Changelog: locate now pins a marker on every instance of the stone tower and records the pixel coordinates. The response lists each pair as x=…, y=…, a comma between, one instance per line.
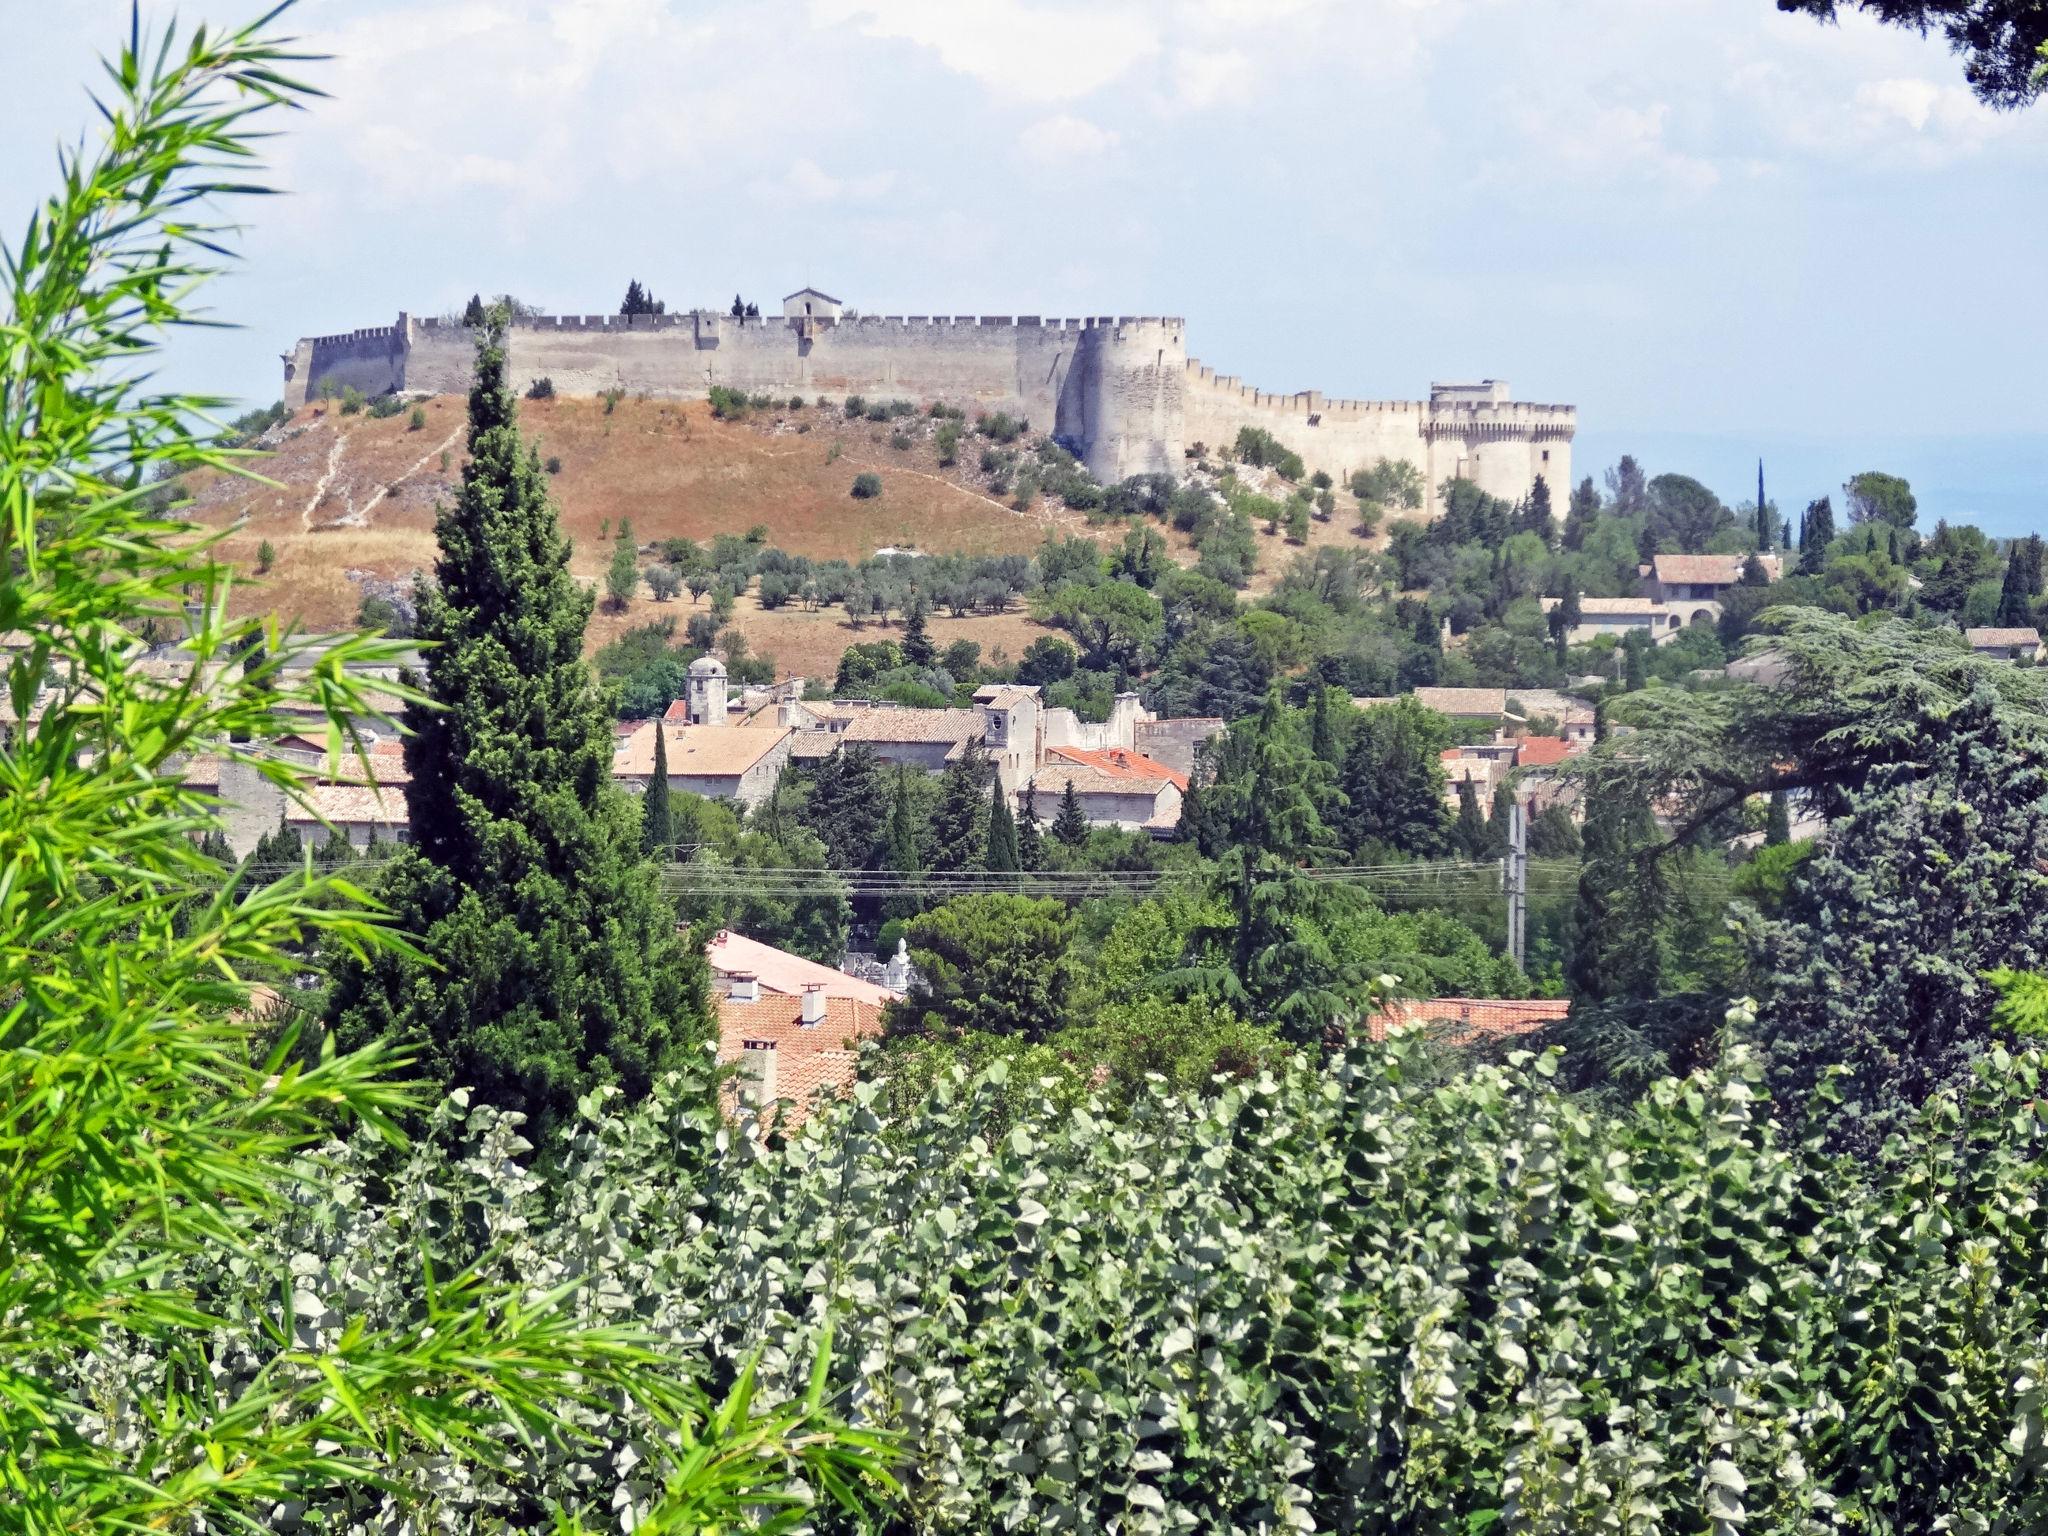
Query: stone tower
x=706, y=694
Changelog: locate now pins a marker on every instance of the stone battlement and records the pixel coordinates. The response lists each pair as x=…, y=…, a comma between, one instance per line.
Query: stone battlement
x=1120, y=390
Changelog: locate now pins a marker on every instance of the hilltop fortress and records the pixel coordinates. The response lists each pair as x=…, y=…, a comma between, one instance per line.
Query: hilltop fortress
x=1120, y=391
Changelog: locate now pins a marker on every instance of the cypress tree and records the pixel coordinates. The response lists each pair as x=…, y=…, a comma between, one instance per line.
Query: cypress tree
x=918, y=650
x=1778, y=826
x=901, y=854
x=1816, y=533
x=1322, y=732
x=2022, y=584
x=1469, y=832
x=1031, y=836
x=556, y=964
x=473, y=311
x=1070, y=826
x=1580, y=515
x=959, y=825
x=1393, y=790
x=1638, y=672
x=1004, y=855
x=657, y=832
x=1763, y=513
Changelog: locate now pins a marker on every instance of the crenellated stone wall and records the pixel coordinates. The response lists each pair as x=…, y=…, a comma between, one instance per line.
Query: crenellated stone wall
x=1121, y=390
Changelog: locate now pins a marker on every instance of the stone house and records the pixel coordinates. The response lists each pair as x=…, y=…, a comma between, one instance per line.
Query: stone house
x=1693, y=586
x=1114, y=788
x=1620, y=616
x=361, y=813
x=721, y=762
x=2005, y=644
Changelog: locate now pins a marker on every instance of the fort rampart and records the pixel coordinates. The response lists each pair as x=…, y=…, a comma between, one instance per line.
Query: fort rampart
x=1121, y=390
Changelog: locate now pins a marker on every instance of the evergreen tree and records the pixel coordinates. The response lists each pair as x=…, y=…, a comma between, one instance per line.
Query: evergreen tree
x=1031, y=836
x=1004, y=854
x=551, y=961
x=1070, y=826
x=1499, y=814
x=1763, y=513
x=640, y=301
x=1778, y=824
x=657, y=831
x=1580, y=516
x=2022, y=585
x=918, y=650
x=1565, y=618
x=622, y=575
x=276, y=851
x=959, y=825
x=1393, y=783
x=1469, y=834
x=1424, y=662
x=1554, y=835
x=901, y=853
x=1816, y=533
x=1322, y=737
x=1536, y=516
x=1629, y=487
x=1616, y=945
x=473, y=311
x=1637, y=671
x=845, y=789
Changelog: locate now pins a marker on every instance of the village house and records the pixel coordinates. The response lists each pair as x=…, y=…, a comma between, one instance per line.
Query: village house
x=791, y=1026
x=1693, y=587
x=2005, y=644
x=359, y=813
x=1466, y=1020
x=1114, y=788
x=1619, y=617
x=720, y=762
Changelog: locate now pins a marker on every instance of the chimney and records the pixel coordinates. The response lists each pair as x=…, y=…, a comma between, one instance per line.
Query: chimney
x=814, y=1005
x=896, y=974
x=743, y=987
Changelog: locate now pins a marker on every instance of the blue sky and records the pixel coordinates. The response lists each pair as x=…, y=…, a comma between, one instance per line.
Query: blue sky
x=1717, y=230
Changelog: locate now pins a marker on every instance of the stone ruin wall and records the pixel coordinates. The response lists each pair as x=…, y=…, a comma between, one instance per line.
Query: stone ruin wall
x=1120, y=388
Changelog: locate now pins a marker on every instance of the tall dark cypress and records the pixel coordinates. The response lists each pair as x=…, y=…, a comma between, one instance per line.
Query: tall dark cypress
x=1763, y=513
x=657, y=834
x=1004, y=856
x=557, y=964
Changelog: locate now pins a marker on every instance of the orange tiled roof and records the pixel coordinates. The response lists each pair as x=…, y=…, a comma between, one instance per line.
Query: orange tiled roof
x=1463, y=1020
x=1116, y=763
x=812, y=1061
x=1541, y=751
x=780, y=971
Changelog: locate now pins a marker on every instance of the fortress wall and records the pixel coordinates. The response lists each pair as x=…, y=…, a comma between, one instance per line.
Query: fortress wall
x=1503, y=448
x=1349, y=434
x=371, y=360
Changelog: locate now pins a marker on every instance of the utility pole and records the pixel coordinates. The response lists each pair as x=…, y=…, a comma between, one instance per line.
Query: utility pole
x=1516, y=877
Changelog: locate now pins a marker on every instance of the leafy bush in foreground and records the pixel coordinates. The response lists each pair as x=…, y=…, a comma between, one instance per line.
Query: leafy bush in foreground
x=1363, y=1297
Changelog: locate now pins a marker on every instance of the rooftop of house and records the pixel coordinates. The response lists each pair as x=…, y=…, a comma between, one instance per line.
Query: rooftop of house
x=347, y=805
x=1541, y=751
x=1708, y=570
x=1463, y=701
x=885, y=724
x=1998, y=639
x=1115, y=762
x=812, y=1061
x=698, y=751
x=1466, y=1020
x=780, y=971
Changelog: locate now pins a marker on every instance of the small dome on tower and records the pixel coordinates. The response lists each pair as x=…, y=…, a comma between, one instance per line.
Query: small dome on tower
x=707, y=666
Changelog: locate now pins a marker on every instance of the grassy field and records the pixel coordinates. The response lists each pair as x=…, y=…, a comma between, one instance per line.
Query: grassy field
x=352, y=500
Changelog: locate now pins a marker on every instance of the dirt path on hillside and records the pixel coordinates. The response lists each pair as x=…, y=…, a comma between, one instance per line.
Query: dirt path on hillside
x=361, y=515
x=326, y=479
x=1044, y=517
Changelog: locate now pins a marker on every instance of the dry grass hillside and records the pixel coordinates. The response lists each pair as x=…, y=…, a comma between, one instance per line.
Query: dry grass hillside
x=353, y=498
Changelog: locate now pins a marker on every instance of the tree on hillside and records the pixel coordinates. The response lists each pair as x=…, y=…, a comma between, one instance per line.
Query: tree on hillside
x=657, y=833
x=2000, y=41
x=550, y=961
x=1683, y=515
x=901, y=852
x=1030, y=835
x=1468, y=831
x=1534, y=515
x=640, y=301
x=1580, y=514
x=622, y=574
x=1565, y=618
x=1875, y=497
x=473, y=311
x=2022, y=583
x=918, y=650
x=846, y=788
x=1628, y=488
x=1816, y=533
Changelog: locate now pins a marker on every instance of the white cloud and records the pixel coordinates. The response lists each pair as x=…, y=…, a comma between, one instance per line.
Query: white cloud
x=1025, y=52
x=1209, y=78
x=1058, y=140
x=807, y=179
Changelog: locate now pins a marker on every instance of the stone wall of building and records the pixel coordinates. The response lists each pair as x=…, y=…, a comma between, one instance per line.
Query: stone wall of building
x=1120, y=390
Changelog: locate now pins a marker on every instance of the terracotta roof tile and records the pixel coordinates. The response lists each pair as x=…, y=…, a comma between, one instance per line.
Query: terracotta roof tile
x=1116, y=763
x=1464, y=1020
x=958, y=726
x=1541, y=751
x=811, y=1061
x=349, y=805
x=1707, y=570
x=780, y=971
